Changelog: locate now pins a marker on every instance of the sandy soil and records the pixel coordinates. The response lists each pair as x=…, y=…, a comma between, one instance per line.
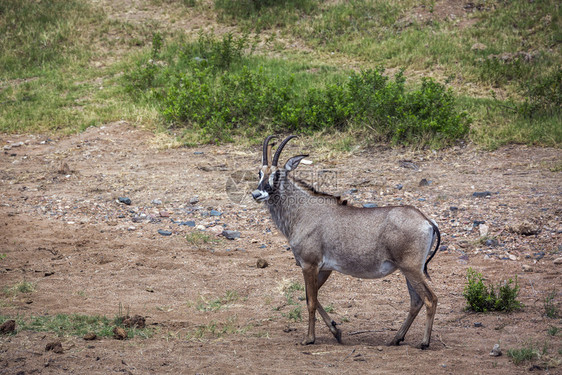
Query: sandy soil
x=64, y=230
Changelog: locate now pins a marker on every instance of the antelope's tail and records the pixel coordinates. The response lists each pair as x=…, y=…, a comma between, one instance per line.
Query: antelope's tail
x=438, y=234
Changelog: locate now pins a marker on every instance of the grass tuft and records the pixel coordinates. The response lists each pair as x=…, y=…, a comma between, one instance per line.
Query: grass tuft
x=482, y=298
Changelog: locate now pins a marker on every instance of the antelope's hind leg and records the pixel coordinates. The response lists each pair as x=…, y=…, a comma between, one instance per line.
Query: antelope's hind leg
x=310, y=274
x=420, y=294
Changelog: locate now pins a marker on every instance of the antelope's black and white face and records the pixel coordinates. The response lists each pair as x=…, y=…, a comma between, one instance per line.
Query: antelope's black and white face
x=266, y=184
x=269, y=173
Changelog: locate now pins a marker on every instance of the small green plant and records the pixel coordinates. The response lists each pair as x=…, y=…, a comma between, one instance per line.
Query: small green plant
x=230, y=297
x=19, y=288
x=553, y=331
x=198, y=238
x=550, y=308
x=482, y=298
x=527, y=353
x=290, y=293
x=295, y=314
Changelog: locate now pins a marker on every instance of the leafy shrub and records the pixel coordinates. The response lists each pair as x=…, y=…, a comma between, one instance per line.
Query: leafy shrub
x=482, y=298
x=209, y=87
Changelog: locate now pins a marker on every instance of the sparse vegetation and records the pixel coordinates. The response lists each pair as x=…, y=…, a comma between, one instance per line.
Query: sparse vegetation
x=230, y=297
x=19, y=288
x=75, y=325
x=550, y=307
x=527, y=353
x=199, y=238
x=482, y=298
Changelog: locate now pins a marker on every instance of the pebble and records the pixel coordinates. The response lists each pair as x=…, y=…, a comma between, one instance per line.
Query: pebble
x=198, y=153
x=527, y=268
x=370, y=205
x=156, y=201
x=215, y=213
x=194, y=199
x=55, y=346
x=399, y=186
x=424, y=182
x=90, y=336
x=481, y=194
x=478, y=324
x=189, y=223
x=164, y=232
x=262, y=263
x=483, y=229
x=491, y=242
x=230, y=234
x=558, y=261
x=496, y=351
x=453, y=208
x=124, y=200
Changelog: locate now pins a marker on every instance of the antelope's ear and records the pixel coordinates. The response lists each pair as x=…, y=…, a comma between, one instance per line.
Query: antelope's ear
x=293, y=162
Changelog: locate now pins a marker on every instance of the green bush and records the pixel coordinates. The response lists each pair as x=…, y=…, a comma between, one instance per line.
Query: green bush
x=543, y=95
x=482, y=298
x=214, y=88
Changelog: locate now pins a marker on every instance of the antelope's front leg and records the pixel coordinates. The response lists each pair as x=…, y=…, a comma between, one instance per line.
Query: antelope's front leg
x=310, y=274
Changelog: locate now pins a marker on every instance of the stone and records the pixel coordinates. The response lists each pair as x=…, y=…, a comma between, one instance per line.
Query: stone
x=496, y=351
x=90, y=336
x=483, y=229
x=124, y=200
x=525, y=228
x=230, y=234
x=481, y=194
x=215, y=213
x=424, y=182
x=558, y=261
x=369, y=205
x=164, y=232
x=262, y=263
x=527, y=268
x=194, y=199
x=156, y=201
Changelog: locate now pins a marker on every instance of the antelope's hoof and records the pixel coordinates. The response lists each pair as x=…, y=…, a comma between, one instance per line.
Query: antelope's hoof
x=424, y=346
x=337, y=335
x=308, y=341
x=395, y=342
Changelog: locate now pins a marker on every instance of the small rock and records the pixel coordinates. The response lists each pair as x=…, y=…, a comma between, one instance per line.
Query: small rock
x=198, y=153
x=55, y=346
x=156, y=201
x=539, y=255
x=399, y=186
x=558, y=261
x=119, y=333
x=189, y=223
x=194, y=199
x=481, y=194
x=478, y=324
x=124, y=200
x=351, y=191
x=424, y=182
x=64, y=168
x=215, y=213
x=262, y=263
x=369, y=205
x=443, y=248
x=380, y=348
x=9, y=326
x=525, y=228
x=150, y=290
x=527, y=268
x=483, y=229
x=136, y=321
x=496, y=351
x=90, y=336
x=164, y=214
x=491, y=242
x=230, y=234
x=511, y=256
x=453, y=208
x=164, y=232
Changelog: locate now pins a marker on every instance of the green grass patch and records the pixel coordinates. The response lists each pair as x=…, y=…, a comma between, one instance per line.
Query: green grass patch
x=550, y=307
x=482, y=298
x=199, y=239
x=75, y=325
x=527, y=353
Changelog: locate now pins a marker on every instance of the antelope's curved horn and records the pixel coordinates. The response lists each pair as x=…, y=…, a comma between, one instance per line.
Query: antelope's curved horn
x=266, y=150
x=280, y=148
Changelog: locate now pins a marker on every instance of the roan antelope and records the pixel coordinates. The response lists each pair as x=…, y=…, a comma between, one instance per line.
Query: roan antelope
x=326, y=234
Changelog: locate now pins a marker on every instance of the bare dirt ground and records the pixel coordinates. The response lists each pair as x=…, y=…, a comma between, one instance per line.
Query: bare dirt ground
x=64, y=230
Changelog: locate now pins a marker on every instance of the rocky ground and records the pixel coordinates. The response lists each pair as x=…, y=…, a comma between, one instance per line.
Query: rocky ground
x=109, y=220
